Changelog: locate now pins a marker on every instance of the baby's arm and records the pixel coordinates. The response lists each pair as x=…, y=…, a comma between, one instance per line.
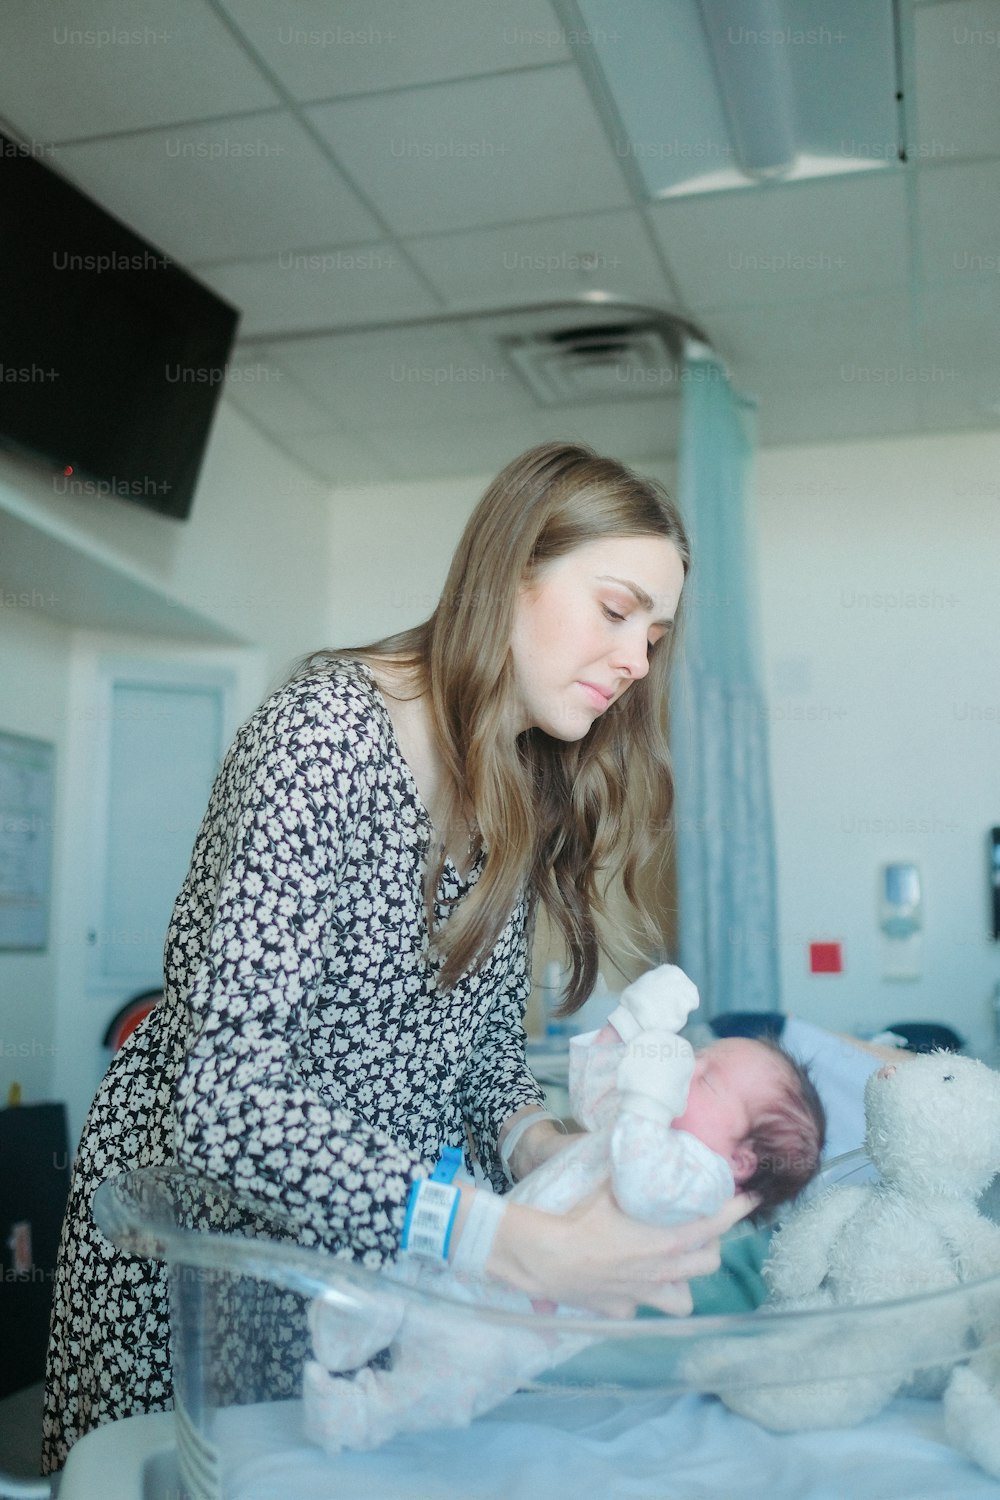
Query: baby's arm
x=659, y=1174
x=593, y=1070
x=654, y=1075
x=665, y=1176
x=658, y=1001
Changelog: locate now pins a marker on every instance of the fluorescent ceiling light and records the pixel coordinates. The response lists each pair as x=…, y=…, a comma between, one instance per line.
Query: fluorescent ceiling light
x=755, y=84
x=706, y=95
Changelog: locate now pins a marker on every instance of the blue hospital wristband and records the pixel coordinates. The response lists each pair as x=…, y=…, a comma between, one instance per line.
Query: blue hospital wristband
x=431, y=1209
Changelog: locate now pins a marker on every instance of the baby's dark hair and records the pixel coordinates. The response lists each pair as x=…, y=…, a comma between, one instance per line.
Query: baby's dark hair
x=788, y=1138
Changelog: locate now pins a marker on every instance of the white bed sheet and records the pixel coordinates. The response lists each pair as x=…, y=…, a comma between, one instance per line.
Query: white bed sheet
x=557, y=1447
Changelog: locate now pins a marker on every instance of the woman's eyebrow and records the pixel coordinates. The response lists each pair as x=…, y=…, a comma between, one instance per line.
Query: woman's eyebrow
x=640, y=594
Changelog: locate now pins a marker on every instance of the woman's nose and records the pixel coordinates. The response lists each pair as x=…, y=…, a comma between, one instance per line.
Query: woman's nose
x=633, y=657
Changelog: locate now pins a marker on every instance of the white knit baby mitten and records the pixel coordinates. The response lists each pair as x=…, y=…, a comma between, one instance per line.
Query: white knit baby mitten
x=659, y=1000
x=655, y=1074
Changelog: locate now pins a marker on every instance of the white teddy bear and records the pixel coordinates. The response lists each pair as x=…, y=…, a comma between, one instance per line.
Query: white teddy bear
x=933, y=1133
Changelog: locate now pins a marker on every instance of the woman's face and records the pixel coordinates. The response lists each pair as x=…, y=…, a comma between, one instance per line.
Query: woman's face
x=584, y=628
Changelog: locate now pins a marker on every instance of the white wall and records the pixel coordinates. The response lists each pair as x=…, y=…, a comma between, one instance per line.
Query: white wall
x=248, y=580
x=35, y=650
x=878, y=572
x=392, y=545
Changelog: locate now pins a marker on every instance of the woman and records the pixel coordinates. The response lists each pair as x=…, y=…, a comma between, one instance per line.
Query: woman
x=347, y=964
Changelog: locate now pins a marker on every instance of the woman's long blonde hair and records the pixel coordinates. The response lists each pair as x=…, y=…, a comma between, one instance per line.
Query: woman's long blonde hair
x=558, y=819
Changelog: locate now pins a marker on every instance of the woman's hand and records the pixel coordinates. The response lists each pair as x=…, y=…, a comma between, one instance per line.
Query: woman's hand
x=597, y=1258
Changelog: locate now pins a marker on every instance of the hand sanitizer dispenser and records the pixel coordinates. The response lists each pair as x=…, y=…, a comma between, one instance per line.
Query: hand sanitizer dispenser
x=901, y=920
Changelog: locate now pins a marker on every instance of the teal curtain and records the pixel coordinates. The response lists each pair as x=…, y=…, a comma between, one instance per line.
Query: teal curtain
x=723, y=820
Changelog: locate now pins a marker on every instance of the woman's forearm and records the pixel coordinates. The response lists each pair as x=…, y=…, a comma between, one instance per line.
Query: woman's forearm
x=532, y=1144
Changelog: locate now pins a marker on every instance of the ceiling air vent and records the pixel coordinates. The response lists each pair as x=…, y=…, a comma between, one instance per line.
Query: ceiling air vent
x=604, y=363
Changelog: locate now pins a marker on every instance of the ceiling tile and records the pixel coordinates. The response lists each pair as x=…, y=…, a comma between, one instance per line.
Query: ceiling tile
x=69, y=70
x=489, y=151
x=958, y=222
x=961, y=398
x=957, y=80
x=252, y=185
x=771, y=347
x=795, y=241
x=257, y=383
x=958, y=324
x=402, y=377
x=319, y=51
x=637, y=430
x=543, y=261
x=826, y=413
x=341, y=460
x=473, y=131
x=316, y=289
x=482, y=445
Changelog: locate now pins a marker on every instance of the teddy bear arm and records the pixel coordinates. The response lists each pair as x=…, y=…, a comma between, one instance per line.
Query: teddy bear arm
x=978, y=1249
x=800, y=1250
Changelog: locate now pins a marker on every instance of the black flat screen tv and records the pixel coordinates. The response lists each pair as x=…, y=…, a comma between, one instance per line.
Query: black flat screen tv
x=112, y=358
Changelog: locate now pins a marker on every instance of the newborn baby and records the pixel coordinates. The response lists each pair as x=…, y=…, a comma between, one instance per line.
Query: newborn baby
x=675, y=1132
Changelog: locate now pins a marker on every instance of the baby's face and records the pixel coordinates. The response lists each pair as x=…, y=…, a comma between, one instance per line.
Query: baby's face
x=733, y=1080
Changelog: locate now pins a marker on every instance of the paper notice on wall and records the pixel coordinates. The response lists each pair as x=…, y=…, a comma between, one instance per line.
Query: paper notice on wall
x=26, y=794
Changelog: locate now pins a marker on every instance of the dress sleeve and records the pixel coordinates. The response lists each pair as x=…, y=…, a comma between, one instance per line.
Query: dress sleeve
x=593, y=1080
x=243, y=1113
x=497, y=1080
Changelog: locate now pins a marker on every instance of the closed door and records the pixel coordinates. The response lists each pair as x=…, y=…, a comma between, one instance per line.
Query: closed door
x=165, y=741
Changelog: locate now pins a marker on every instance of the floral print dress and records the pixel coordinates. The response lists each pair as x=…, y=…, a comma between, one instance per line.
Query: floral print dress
x=302, y=1053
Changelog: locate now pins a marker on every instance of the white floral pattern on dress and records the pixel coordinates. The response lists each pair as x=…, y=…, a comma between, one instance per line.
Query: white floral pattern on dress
x=302, y=1052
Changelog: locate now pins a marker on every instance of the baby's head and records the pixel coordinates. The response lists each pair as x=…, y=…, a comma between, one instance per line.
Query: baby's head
x=757, y=1107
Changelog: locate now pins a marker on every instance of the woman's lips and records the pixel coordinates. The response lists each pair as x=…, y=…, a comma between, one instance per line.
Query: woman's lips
x=598, y=697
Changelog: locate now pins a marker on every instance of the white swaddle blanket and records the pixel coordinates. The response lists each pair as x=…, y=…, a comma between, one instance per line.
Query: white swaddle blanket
x=644, y=1447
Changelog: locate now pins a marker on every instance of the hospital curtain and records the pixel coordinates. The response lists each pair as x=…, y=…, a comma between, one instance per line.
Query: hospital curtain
x=723, y=824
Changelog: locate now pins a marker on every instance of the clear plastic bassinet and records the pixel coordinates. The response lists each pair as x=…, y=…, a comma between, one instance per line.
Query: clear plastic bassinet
x=240, y=1286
